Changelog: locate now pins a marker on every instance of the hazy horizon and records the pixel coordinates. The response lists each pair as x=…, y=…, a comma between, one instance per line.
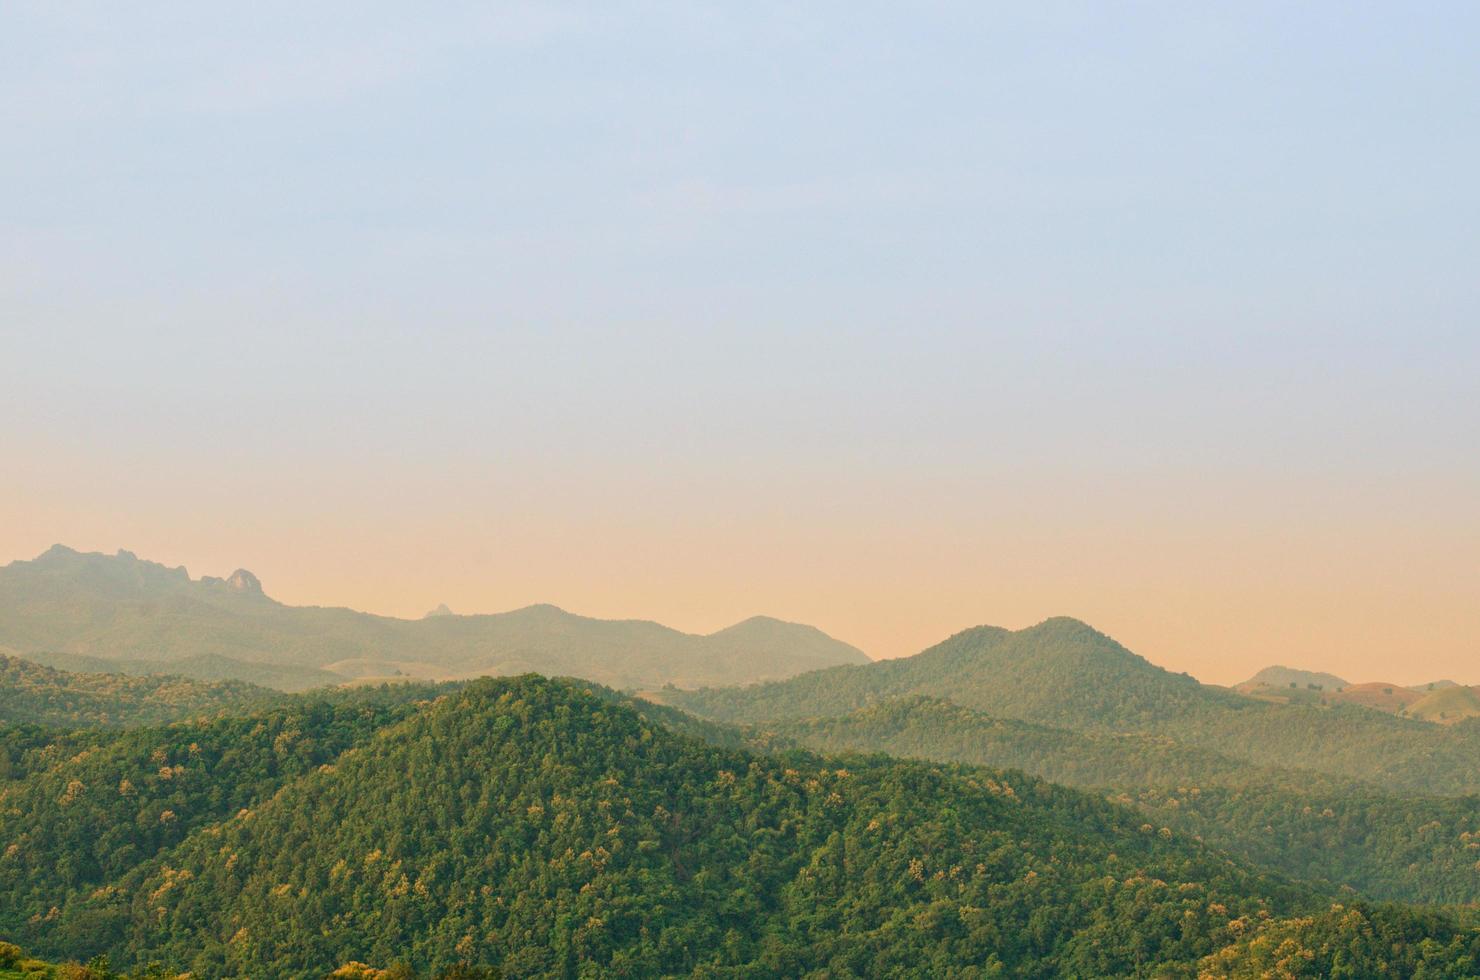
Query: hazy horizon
x=195, y=575
x=891, y=323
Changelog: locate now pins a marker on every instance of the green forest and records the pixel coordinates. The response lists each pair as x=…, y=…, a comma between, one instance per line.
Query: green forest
x=855, y=822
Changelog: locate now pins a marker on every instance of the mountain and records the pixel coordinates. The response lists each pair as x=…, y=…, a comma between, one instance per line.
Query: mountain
x=1287, y=677
x=774, y=648
x=1064, y=674
x=530, y=827
x=533, y=825
x=121, y=607
x=1446, y=705
x=1060, y=671
x=31, y=693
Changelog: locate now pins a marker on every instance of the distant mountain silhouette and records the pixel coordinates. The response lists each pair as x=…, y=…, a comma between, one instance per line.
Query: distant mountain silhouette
x=119, y=607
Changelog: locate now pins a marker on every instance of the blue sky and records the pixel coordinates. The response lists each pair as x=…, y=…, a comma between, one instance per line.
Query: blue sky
x=733, y=273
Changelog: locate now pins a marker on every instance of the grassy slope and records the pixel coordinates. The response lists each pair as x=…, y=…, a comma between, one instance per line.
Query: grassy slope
x=1447, y=706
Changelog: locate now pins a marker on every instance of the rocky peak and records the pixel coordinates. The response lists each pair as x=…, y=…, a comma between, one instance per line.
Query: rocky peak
x=242, y=580
x=57, y=552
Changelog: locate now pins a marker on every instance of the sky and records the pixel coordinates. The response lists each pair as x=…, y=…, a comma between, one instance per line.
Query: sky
x=892, y=319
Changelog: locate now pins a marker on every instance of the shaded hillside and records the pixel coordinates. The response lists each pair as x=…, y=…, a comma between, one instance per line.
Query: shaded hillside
x=1064, y=674
x=1304, y=824
x=1385, y=846
x=119, y=607
x=1397, y=754
x=31, y=693
x=921, y=727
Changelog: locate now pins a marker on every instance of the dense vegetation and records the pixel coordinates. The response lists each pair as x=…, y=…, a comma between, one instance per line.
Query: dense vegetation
x=89, y=809
x=923, y=727
x=34, y=694
x=1353, y=943
x=529, y=827
x=1064, y=674
x=15, y=964
x=1060, y=672
x=1420, y=849
x=1410, y=848
x=532, y=824
x=153, y=617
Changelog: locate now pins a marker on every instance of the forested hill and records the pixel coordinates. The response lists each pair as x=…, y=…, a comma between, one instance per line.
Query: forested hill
x=120, y=607
x=1060, y=672
x=922, y=727
x=199, y=667
x=550, y=828
x=33, y=694
x=1065, y=674
x=1403, y=847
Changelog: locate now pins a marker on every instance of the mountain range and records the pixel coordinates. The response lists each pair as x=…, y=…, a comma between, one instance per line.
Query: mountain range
x=1037, y=802
x=1065, y=674
x=138, y=617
